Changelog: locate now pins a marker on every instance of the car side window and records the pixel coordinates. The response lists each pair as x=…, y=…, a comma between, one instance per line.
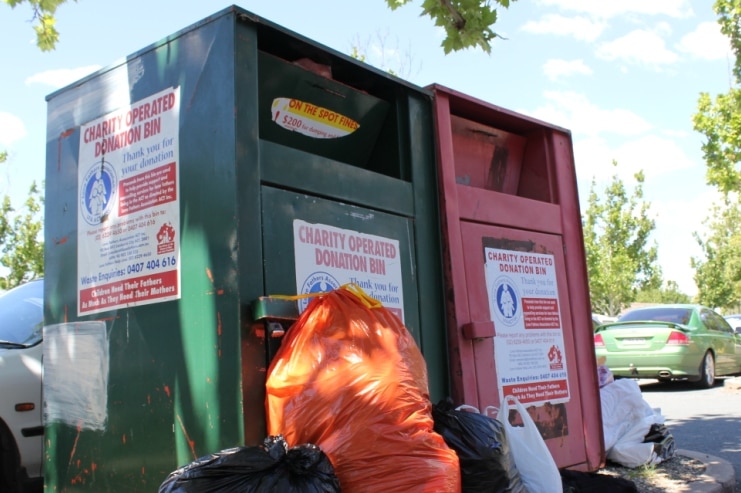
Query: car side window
x=723, y=324
x=716, y=322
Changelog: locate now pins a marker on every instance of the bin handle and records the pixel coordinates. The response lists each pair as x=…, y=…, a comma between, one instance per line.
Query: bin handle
x=479, y=330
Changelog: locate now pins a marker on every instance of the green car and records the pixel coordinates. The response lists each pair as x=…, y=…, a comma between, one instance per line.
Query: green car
x=670, y=342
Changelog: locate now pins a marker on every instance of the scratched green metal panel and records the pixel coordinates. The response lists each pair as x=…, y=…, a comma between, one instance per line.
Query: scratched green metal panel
x=250, y=279
x=418, y=144
x=173, y=390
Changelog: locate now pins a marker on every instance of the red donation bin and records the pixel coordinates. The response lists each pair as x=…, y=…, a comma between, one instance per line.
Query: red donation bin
x=518, y=307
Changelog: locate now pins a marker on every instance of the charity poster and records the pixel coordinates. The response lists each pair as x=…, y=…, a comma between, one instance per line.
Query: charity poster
x=129, y=206
x=529, y=344
x=328, y=257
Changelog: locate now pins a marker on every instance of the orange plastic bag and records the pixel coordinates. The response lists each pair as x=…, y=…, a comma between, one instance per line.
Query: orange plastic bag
x=350, y=379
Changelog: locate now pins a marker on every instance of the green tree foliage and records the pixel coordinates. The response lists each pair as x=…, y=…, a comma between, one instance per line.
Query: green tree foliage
x=44, y=21
x=22, y=254
x=719, y=120
x=467, y=23
x=620, y=261
x=667, y=293
x=4, y=218
x=22, y=251
x=718, y=272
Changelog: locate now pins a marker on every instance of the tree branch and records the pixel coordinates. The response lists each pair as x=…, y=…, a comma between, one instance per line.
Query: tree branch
x=458, y=19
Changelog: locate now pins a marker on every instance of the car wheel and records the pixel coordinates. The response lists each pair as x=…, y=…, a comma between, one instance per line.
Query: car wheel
x=707, y=371
x=9, y=467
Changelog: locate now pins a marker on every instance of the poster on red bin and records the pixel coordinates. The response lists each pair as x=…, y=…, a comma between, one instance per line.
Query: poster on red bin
x=529, y=344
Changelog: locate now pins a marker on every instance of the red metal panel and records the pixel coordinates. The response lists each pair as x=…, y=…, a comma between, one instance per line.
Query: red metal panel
x=508, y=184
x=483, y=206
x=500, y=151
x=461, y=350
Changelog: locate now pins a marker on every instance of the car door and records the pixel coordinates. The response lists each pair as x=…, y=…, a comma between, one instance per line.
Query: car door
x=735, y=335
x=723, y=342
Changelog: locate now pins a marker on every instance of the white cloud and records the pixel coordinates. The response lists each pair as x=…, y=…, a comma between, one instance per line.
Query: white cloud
x=706, y=42
x=681, y=134
x=11, y=129
x=651, y=154
x=603, y=9
x=575, y=112
x=581, y=28
x=603, y=135
x=639, y=46
x=593, y=159
x=688, y=213
x=654, y=155
x=676, y=221
x=61, y=77
x=555, y=69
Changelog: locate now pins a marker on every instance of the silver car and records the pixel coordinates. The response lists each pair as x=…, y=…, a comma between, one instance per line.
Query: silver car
x=21, y=428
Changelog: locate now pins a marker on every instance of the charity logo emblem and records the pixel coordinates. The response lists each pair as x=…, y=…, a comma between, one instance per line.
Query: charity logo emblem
x=507, y=301
x=166, y=239
x=556, y=358
x=98, y=192
x=318, y=282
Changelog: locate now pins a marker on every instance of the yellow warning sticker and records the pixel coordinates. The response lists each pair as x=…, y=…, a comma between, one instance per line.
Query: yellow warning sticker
x=311, y=120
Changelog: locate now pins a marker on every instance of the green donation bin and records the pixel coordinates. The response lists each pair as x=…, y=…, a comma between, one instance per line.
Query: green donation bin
x=228, y=162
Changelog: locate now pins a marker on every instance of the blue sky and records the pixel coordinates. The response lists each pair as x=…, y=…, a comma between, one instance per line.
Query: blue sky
x=623, y=77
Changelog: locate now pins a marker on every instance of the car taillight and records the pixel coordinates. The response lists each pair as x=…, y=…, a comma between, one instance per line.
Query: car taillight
x=598, y=342
x=678, y=339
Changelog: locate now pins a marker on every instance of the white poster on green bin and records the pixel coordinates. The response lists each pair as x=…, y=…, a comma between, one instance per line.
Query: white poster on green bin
x=328, y=257
x=129, y=206
x=529, y=346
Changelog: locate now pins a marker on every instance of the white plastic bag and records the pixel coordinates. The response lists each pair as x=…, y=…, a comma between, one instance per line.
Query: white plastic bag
x=532, y=458
x=626, y=419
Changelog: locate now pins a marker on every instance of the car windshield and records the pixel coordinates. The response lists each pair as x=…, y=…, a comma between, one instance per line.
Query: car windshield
x=22, y=314
x=659, y=314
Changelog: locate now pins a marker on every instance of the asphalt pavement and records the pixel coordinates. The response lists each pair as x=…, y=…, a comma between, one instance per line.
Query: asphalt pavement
x=706, y=425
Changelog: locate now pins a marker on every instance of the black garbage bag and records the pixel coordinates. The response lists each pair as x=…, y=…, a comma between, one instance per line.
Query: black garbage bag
x=663, y=441
x=272, y=467
x=589, y=482
x=483, y=451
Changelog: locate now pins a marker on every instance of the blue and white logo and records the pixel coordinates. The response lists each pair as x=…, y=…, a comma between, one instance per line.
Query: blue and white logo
x=318, y=282
x=507, y=300
x=98, y=191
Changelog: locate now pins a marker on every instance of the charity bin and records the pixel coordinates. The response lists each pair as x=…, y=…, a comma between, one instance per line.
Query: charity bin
x=515, y=272
x=228, y=162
